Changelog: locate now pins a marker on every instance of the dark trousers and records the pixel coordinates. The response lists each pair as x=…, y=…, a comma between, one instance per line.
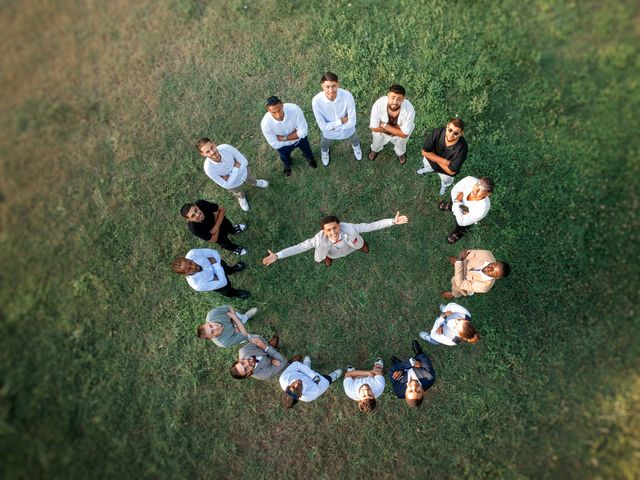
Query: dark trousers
x=328, y=378
x=285, y=152
x=460, y=231
x=226, y=229
x=227, y=290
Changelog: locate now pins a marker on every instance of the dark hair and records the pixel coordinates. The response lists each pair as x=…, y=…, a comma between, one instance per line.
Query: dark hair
x=235, y=374
x=202, y=142
x=488, y=184
x=328, y=219
x=457, y=122
x=399, y=89
x=201, y=331
x=272, y=100
x=328, y=77
x=176, y=264
x=504, y=268
x=469, y=333
x=184, y=210
x=287, y=400
x=414, y=403
x=367, y=405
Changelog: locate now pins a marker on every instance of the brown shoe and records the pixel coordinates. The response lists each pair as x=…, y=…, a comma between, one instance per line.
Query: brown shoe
x=447, y=295
x=452, y=260
x=296, y=358
x=365, y=248
x=327, y=261
x=372, y=155
x=402, y=159
x=274, y=341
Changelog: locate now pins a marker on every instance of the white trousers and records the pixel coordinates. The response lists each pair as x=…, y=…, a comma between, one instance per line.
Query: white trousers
x=381, y=139
x=445, y=180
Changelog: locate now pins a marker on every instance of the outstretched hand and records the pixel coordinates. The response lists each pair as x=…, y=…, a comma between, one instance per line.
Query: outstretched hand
x=269, y=259
x=400, y=219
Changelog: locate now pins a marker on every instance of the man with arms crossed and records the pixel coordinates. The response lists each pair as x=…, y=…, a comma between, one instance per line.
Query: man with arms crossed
x=299, y=382
x=392, y=120
x=411, y=378
x=475, y=272
x=258, y=359
x=206, y=220
x=364, y=386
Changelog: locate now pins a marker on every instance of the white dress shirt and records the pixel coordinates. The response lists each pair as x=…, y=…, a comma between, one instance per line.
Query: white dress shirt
x=449, y=326
x=478, y=209
x=406, y=117
x=310, y=389
x=293, y=120
x=352, y=386
x=211, y=277
x=328, y=114
x=216, y=170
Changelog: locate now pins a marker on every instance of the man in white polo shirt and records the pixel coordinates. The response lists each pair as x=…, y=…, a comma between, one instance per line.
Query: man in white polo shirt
x=226, y=166
x=299, y=382
x=364, y=386
x=335, y=112
x=392, y=120
x=470, y=203
x=285, y=129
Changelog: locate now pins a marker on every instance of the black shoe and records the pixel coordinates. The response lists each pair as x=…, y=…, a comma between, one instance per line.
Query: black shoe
x=243, y=294
x=238, y=267
x=417, y=349
x=287, y=172
x=312, y=163
x=395, y=360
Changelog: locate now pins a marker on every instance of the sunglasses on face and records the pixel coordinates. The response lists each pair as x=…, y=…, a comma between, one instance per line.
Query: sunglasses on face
x=453, y=132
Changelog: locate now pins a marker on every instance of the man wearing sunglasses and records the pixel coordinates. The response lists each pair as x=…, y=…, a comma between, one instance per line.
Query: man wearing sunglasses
x=444, y=151
x=285, y=129
x=301, y=383
x=259, y=359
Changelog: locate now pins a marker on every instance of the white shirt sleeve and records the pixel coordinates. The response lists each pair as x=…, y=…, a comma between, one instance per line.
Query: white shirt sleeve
x=408, y=123
x=373, y=226
x=269, y=134
x=439, y=337
x=237, y=171
x=302, y=128
x=351, y=112
x=301, y=247
x=376, y=117
x=323, y=125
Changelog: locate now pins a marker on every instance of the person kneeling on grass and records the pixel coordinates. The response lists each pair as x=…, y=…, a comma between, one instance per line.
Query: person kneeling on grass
x=225, y=327
x=299, y=382
x=364, y=386
x=452, y=327
x=335, y=240
x=259, y=359
x=206, y=220
x=411, y=378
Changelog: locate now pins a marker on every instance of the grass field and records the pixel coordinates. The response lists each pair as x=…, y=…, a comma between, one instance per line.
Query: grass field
x=101, y=373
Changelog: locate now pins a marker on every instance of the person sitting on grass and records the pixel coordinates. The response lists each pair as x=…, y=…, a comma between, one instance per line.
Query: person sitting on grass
x=364, y=386
x=475, y=272
x=206, y=271
x=469, y=203
x=452, y=327
x=411, y=378
x=206, y=220
x=259, y=359
x=335, y=239
x=225, y=327
x=299, y=382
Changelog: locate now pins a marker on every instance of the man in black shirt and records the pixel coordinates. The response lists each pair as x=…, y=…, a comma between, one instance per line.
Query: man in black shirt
x=207, y=221
x=444, y=151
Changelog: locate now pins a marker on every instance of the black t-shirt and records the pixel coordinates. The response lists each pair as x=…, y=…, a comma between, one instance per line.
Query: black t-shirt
x=202, y=229
x=456, y=153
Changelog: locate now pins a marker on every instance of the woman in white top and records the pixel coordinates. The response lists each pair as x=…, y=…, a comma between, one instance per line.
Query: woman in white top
x=452, y=327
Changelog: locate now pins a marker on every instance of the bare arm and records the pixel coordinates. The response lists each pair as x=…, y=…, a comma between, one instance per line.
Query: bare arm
x=360, y=373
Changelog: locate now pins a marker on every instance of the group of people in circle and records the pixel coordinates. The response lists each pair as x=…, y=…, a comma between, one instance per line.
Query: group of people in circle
x=284, y=127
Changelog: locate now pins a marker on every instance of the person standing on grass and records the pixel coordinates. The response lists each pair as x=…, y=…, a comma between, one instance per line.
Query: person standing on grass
x=226, y=166
x=475, y=272
x=259, y=359
x=444, y=151
x=335, y=112
x=301, y=383
x=206, y=271
x=411, y=378
x=452, y=327
x=392, y=120
x=225, y=327
x=206, y=220
x=469, y=204
x=364, y=386
x=285, y=129
x=335, y=239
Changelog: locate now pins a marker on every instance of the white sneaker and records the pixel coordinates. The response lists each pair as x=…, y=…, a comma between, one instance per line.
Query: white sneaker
x=443, y=189
x=350, y=368
x=244, y=205
x=240, y=227
x=442, y=305
x=262, y=183
x=240, y=251
x=325, y=158
x=307, y=361
x=379, y=362
x=336, y=374
x=251, y=312
x=423, y=170
x=425, y=336
x=357, y=152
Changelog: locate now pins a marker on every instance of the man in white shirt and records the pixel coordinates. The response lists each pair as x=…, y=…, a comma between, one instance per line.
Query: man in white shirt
x=206, y=271
x=226, y=166
x=335, y=112
x=392, y=120
x=285, y=129
x=364, y=386
x=335, y=239
x=469, y=203
x=300, y=382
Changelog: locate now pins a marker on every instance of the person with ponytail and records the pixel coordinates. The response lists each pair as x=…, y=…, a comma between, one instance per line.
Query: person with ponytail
x=452, y=327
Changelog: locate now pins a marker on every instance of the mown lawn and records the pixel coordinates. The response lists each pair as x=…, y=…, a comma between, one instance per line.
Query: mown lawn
x=101, y=373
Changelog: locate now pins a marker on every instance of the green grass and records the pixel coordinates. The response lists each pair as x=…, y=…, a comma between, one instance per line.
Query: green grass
x=101, y=373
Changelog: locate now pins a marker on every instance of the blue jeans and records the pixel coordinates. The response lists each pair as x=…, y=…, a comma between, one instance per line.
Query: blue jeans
x=285, y=152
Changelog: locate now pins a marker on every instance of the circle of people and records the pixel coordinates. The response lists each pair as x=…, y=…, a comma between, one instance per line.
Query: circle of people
x=285, y=129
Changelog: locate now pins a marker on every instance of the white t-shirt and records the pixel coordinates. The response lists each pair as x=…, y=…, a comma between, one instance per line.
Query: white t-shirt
x=352, y=386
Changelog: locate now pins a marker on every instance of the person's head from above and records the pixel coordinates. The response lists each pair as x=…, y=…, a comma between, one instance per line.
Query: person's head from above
x=291, y=395
x=466, y=330
x=454, y=130
x=243, y=368
x=367, y=400
x=208, y=149
x=483, y=188
x=497, y=270
x=209, y=330
x=395, y=97
x=184, y=266
x=275, y=107
x=330, y=85
x=330, y=226
x=414, y=395
x=191, y=212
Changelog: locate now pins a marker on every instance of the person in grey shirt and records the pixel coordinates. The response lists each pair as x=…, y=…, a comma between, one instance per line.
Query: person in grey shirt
x=225, y=327
x=259, y=359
